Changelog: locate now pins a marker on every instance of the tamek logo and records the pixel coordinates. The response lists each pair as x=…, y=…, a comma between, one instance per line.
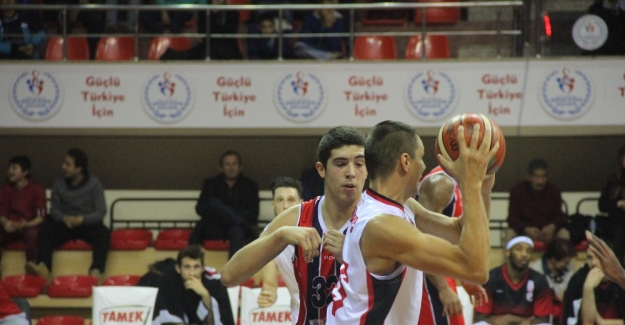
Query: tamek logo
x=167, y=97
x=271, y=315
x=36, y=95
x=566, y=94
x=126, y=315
x=432, y=95
x=300, y=97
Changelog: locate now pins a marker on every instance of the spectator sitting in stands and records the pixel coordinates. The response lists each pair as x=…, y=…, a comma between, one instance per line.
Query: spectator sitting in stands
x=516, y=293
x=322, y=48
x=153, y=20
x=76, y=212
x=556, y=265
x=613, y=14
x=22, y=207
x=228, y=205
x=192, y=293
x=20, y=34
x=612, y=202
x=591, y=298
x=535, y=208
x=131, y=17
x=266, y=48
x=91, y=20
x=286, y=192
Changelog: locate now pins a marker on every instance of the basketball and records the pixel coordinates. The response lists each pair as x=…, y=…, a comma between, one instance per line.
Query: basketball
x=447, y=139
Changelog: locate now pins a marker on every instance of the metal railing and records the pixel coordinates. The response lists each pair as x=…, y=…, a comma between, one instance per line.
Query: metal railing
x=281, y=8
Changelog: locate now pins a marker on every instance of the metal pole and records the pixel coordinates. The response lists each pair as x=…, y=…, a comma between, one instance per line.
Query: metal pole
x=423, y=33
x=280, y=27
x=498, y=26
x=351, y=34
x=136, y=27
x=64, y=17
x=208, y=38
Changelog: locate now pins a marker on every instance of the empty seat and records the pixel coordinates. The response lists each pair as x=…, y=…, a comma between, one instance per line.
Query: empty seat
x=75, y=245
x=77, y=49
x=23, y=286
x=115, y=49
x=438, y=16
x=61, y=320
x=16, y=246
x=216, y=245
x=436, y=47
x=581, y=246
x=375, y=48
x=160, y=44
x=172, y=239
x=72, y=286
x=130, y=239
x=121, y=280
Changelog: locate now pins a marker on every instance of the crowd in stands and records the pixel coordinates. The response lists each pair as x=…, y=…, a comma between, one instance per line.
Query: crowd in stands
x=521, y=291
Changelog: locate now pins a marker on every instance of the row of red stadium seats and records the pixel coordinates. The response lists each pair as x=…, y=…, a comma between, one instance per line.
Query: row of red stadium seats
x=65, y=286
x=123, y=48
x=139, y=239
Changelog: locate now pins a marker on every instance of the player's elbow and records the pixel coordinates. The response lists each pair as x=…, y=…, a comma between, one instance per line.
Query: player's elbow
x=227, y=278
x=479, y=276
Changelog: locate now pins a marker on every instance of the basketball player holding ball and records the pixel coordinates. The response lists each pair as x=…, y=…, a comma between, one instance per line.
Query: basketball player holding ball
x=384, y=252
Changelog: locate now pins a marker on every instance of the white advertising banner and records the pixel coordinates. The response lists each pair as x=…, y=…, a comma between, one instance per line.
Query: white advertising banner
x=311, y=94
x=123, y=305
x=278, y=314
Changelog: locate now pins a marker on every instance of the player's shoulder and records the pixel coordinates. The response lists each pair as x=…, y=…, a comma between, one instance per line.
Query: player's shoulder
x=288, y=217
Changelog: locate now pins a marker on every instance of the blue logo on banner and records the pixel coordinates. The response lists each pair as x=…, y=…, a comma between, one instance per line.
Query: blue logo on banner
x=566, y=94
x=431, y=96
x=300, y=97
x=36, y=96
x=167, y=97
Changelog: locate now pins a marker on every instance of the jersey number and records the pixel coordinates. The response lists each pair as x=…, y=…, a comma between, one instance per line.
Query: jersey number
x=320, y=286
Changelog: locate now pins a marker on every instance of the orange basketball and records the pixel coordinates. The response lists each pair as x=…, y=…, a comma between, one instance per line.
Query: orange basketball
x=447, y=139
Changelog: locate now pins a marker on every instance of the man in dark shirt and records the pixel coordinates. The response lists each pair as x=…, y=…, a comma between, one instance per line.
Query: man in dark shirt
x=77, y=209
x=516, y=293
x=192, y=293
x=535, y=208
x=591, y=297
x=228, y=205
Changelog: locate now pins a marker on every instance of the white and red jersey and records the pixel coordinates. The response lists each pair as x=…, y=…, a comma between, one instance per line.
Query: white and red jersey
x=366, y=298
x=317, y=278
x=454, y=206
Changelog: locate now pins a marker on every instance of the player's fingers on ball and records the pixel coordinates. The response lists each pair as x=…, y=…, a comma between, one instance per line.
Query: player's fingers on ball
x=475, y=136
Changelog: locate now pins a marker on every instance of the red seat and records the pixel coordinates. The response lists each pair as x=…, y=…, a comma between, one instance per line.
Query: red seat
x=581, y=247
x=75, y=245
x=121, y=280
x=16, y=246
x=436, y=47
x=438, y=16
x=130, y=239
x=72, y=286
x=172, y=239
x=539, y=246
x=216, y=245
x=23, y=286
x=375, y=48
x=160, y=44
x=61, y=320
x=115, y=49
x=248, y=283
x=77, y=49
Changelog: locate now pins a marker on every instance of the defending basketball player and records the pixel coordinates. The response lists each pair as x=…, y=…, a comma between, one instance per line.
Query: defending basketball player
x=341, y=162
x=382, y=240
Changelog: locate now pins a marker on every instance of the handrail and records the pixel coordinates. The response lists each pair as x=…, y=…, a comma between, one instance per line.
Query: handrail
x=280, y=8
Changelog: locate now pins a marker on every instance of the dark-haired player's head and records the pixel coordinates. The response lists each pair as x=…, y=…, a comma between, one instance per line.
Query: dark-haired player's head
x=19, y=169
x=336, y=138
x=558, y=254
x=190, y=262
x=388, y=143
x=537, y=174
x=286, y=192
x=75, y=164
x=231, y=163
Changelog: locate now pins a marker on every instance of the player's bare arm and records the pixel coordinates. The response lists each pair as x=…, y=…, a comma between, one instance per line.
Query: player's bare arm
x=269, y=292
x=281, y=232
x=387, y=240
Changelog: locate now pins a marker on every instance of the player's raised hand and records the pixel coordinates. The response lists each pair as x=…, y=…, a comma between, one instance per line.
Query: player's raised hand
x=333, y=242
x=451, y=303
x=306, y=238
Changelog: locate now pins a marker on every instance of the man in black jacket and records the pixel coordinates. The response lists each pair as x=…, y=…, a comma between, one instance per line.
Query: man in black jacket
x=192, y=293
x=228, y=205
